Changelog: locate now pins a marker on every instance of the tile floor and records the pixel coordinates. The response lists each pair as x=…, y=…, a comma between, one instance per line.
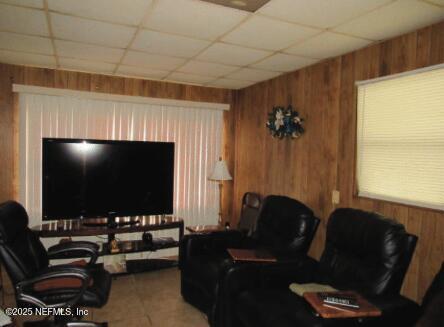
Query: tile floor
x=150, y=299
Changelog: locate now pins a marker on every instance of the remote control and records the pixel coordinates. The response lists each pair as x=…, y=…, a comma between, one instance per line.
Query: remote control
x=341, y=302
x=323, y=295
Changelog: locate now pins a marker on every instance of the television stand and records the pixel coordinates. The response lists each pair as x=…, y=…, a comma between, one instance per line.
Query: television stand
x=99, y=226
x=110, y=223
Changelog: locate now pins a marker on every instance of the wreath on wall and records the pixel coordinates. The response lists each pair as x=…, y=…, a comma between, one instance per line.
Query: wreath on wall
x=285, y=122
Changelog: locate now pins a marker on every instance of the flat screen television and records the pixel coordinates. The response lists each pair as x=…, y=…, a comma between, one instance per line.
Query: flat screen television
x=95, y=178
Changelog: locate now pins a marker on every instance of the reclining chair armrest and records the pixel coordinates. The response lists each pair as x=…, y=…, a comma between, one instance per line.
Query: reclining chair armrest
x=59, y=271
x=239, y=278
x=76, y=248
x=397, y=310
x=214, y=242
x=249, y=276
x=301, y=269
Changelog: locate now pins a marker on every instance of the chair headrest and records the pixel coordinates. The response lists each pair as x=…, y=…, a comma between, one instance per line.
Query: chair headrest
x=252, y=200
x=284, y=206
x=285, y=225
x=13, y=220
x=364, y=233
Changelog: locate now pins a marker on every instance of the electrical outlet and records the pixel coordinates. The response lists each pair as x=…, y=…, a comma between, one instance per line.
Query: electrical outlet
x=335, y=196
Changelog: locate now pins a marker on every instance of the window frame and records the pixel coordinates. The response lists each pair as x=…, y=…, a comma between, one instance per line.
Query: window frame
x=355, y=186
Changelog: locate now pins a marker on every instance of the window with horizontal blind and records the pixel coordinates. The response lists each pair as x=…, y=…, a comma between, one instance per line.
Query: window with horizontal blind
x=400, y=138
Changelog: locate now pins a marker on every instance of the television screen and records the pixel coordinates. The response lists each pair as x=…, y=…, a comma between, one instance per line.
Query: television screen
x=93, y=178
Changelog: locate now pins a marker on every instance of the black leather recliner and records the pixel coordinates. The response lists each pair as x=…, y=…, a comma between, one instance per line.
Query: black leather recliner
x=251, y=203
x=431, y=311
x=36, y=283
x=284, y=226
x=432, y=307
x=364, y=252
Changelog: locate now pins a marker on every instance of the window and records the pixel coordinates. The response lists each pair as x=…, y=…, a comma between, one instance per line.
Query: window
x=400, y=138
x=195, y=129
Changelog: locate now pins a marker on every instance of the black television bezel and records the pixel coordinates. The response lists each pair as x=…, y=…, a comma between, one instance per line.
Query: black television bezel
x=46, y=217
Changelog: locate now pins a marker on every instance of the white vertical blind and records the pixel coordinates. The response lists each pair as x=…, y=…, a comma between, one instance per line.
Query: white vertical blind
x=400, y=138
x=195, y=131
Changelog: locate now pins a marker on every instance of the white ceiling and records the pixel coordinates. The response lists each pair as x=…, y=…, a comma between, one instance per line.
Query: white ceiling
x=196, y=42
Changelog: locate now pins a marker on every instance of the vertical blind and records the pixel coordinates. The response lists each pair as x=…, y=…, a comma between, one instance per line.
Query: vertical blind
x=400, y=139
x=195, y=131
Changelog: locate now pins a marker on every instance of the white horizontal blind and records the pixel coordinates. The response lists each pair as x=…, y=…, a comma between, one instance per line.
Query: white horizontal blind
x=400, y=135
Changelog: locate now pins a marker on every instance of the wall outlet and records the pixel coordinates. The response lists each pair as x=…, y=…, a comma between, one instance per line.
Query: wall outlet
x=335, y=197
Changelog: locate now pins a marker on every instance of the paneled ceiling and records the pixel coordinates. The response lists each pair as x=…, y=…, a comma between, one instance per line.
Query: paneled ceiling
x=199, y=42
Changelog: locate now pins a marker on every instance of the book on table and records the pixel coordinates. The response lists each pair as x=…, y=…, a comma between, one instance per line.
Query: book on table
x=300, y=289
x=327, y=294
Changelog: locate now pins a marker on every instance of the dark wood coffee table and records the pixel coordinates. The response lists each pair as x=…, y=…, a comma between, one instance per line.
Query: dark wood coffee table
x=366, y=309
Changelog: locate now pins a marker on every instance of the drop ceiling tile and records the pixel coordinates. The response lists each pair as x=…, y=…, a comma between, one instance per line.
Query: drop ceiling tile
x=319, y=13
x=206, y=68
x=392, y=20
x=284, y=63
x=118, y=11
x=88, y=52
x=254, y=75
x=274, y=34
x=232, y=54
x=134, y=58
x=435, y=2
x=189, y=78
x=327, y=45
x=230, y=83
x=90, y=31
x=23, y=20
x=193, y=18
x=20, y=42
x=27, y=59
x=87, y=66
x=173, y=45
x=246, y=5
x=141, y=72
x=26, y=3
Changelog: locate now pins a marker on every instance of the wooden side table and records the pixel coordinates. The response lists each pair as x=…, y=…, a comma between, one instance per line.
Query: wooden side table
x=366, y=309
x=254, y=255
x=204, y=229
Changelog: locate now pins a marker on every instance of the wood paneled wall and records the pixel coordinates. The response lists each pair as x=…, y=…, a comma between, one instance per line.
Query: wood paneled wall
x=10, y=74
x=309, y=168
x=323, y=159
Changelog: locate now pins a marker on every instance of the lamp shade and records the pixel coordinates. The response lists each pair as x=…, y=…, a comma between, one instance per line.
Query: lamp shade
x=220, y=172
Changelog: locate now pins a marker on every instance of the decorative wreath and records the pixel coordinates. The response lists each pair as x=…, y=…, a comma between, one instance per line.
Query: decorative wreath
x=285, y=123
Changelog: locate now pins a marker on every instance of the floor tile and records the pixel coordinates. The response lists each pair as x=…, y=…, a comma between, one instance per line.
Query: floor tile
x=131, y=322
x=150, y=299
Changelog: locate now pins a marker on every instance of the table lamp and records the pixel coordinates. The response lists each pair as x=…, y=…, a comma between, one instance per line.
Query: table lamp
x=220, y=173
